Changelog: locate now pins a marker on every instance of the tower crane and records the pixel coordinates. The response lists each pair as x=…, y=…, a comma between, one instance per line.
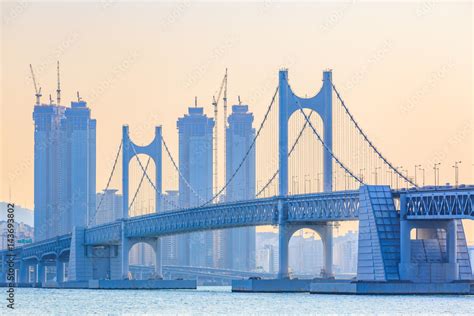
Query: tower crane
x=58, y=91
x=223, y=87
x=37, y=92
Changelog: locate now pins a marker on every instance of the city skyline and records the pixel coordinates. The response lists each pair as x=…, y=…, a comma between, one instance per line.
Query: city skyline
x=251, y=157
x=440, y=68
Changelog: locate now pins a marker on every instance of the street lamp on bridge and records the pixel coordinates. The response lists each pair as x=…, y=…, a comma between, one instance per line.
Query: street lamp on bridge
x=456, y=172
x=436, y=173
x=362, y=174
x=375, y=174
x=391, y=177
x=423, y=172
x=416, y=167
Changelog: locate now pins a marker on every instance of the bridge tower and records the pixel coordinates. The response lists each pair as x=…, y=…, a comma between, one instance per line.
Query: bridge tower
x=289, y=103
x=129, y=151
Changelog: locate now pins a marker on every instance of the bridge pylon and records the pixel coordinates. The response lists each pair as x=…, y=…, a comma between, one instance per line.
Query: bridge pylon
x=129, y=151
x=289, y=103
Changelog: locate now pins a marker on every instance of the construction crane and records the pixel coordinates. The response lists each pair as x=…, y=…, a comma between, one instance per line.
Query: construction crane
x=225, y=122
x=37, y=91
x=216, y=127
x=216, y=130
x=58, y=91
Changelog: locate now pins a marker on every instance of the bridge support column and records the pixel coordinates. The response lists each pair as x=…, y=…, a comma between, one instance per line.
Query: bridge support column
x=405, y=250
x=124, y=249
x=40, y=275
x=158, y=261
x=23, y=272
x=59, y=271
x=452, y=250
x=283, y=252
x=328, y=250
x=80, y=263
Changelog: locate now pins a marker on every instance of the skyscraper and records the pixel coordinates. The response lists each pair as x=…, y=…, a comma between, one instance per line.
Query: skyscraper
x=64, y=168
x=195, y=163
x=240, y=242
x=169, y=244
x=110, y=209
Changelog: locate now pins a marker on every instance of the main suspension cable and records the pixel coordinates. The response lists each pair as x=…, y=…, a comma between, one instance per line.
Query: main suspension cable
x=326, y=147
x=248, y=151
x=289, y=154
x=140, y=183
x=149, y=180
x=368, y=141
x=108, y=181
x=179, y=171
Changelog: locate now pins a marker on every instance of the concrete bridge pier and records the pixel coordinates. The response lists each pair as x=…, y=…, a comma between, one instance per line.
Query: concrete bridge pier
x=23, y=272
x=124, y=250
x=40, y=274
x=433, y=255
x=283, y=241
x=158, y=257
x=324, y=230
x=80, y=265
x=59, y=271
x=328, y=250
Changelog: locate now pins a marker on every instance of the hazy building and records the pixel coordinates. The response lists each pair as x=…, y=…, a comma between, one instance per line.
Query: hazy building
x=169, y=244
x=267, y=242
x=23, y=234
x=345, y=253
x=64, y=168
x=109, y=207
x=195, y=163
x=239, y=245
x=265, y=258
x=306, y=253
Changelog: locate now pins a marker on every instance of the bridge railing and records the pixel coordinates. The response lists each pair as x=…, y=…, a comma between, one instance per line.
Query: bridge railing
x=222, y=215
x=440, y=203
x=109, y=233
x=339, y=206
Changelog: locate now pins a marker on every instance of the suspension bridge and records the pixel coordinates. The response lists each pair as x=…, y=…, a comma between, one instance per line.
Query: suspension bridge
x=315, y=142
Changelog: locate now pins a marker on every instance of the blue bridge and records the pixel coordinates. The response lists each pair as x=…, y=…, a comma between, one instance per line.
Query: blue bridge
x=386, y=213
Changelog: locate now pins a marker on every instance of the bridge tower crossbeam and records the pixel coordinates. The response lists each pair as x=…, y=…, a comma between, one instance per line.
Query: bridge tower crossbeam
x=129, y=151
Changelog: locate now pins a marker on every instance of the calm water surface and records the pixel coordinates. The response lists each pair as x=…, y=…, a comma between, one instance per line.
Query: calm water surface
x=220, y=300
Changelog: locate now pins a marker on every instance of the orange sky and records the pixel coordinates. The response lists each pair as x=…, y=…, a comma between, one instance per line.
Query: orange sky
x=405, y=70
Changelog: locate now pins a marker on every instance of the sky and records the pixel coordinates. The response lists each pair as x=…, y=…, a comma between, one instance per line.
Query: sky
x=404, y=68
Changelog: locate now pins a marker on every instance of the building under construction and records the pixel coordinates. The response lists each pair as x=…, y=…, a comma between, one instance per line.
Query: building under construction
x=64, y=165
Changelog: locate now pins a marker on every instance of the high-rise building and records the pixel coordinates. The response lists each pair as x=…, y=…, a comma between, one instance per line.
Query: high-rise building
x=306, y=253
x=239, y=251
x=345, y=253
x=195, y=163
x=265, y=258
x=110, y=208
x=65, y=168
x=169, y=244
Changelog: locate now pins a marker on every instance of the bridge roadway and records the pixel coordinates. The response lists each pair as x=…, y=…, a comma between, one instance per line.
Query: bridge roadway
x=335, y=206
x=440, y=203
x=425, y=204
